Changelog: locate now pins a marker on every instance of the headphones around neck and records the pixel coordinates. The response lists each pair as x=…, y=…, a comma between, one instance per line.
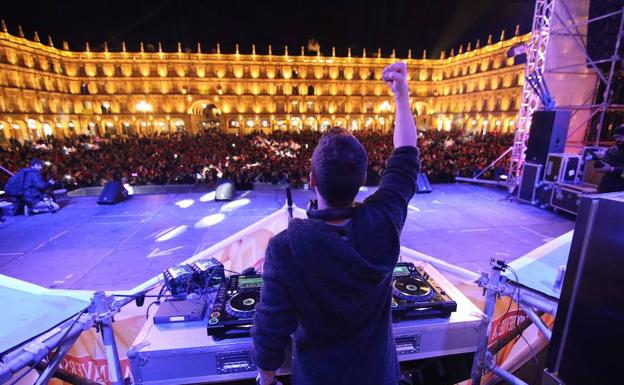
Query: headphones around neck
x=328, y=214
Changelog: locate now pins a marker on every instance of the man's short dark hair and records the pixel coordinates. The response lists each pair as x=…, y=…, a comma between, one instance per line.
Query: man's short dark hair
x=36, y=162
x=339, y=166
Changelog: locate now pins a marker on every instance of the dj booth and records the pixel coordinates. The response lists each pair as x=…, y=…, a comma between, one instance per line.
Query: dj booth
x=183, y=352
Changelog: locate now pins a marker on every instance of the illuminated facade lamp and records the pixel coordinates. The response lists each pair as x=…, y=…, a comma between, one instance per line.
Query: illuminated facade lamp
x=144, y=106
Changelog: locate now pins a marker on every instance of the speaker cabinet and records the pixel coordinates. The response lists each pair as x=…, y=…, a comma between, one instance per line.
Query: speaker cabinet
x=422, y=184
x=549, y=131
x=531, y=177
x=587, y=332
x=225, y=192
x=113, y=192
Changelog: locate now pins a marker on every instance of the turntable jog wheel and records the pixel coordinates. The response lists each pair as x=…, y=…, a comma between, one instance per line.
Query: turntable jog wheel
x=243, y=304
x=412, y=289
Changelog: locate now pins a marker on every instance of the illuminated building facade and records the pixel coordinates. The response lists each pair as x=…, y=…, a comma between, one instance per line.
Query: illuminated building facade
x=48, y=90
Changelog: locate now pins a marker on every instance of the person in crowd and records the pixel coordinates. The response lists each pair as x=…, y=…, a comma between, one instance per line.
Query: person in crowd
x=612, y=164
x=327, y=279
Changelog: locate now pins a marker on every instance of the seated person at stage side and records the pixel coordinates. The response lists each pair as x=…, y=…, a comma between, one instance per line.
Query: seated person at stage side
x=33, y=190
x=613, y=164
x=327, y=279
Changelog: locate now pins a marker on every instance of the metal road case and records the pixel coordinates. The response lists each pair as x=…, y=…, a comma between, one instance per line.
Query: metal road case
x=165, y=354
x=563, y=168
x=567, y=196
x=531, y=177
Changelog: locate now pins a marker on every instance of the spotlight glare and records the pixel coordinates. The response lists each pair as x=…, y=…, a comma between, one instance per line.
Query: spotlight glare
x=208, y=197
x=185, y=203
x=229, y=207
x=129, y=189
x=209, y=220
x=172, y=234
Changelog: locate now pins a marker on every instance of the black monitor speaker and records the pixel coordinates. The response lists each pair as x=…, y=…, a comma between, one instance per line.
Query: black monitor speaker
x=113, y=192
x=587, y=332
x=549, y=131
x=225, y=192
x=422, y=184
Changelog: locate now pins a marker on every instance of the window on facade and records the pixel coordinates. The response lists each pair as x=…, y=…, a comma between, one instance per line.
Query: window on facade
x=310, y=90
x=106, y=108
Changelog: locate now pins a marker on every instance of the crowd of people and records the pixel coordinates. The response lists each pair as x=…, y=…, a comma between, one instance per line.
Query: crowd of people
x=211, y=156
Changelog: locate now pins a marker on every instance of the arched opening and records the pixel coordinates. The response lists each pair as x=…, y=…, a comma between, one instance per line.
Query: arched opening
x=127, y=128
x=179, y=125
x=281, y=124
x=4, y=135
x=211, y=117
x=161, y=126
x=325, y=125
x=109, y=128
x=33, y=129
x=72, y=127
x=47, y=129
x=295, y=124
x=311, y=124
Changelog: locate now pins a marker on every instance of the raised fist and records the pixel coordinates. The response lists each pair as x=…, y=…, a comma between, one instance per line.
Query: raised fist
x=395, y=76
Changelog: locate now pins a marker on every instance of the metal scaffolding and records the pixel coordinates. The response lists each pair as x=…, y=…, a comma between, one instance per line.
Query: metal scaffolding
x=536, y=63
x=561, y=22
x=572, y=28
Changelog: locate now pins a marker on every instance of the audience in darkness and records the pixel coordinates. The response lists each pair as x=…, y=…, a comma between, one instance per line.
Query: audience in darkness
x=278, y=158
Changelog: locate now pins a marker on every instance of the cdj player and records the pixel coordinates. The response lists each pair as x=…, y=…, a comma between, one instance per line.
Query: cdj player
x=416, y=295
x=234, y=306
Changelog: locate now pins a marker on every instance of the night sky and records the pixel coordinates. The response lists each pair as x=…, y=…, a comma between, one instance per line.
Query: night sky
x=401, y=24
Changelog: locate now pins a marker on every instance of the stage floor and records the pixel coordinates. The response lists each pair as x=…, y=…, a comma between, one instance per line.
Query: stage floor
x=87, y=246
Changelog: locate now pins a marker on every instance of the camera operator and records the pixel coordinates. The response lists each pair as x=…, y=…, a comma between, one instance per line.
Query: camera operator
x=611, y=163
x=29, y=187
x=327, y=279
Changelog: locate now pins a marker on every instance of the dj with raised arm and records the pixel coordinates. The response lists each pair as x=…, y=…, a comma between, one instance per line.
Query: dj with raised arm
x=327, y=279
